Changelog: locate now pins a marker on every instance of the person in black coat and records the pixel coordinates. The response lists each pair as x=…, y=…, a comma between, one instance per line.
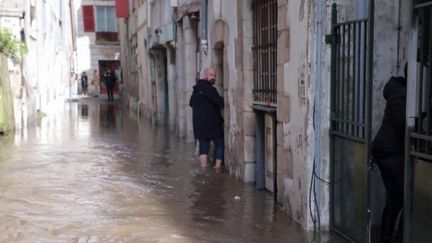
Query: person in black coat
x=388, y=152
x=110, y=81
x=84, y=83
x=206, y=106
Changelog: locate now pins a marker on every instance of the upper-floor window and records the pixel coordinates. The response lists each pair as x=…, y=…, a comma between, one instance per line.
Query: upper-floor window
x=264, y=51
x=102, y=20
x=105, y=19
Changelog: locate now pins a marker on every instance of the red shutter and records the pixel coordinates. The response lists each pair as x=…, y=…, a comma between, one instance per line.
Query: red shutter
x=88, y=18
x=122, y=8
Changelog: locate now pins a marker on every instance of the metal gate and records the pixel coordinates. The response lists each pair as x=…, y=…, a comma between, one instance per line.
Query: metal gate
x=418, y=191
x=350, y=133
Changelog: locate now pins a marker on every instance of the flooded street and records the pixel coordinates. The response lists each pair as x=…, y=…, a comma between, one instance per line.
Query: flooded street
x=90, y=172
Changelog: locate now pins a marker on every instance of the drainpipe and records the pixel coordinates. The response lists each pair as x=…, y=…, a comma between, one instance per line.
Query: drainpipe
x=399, y=28
x=275, y=187
x=203, y=19
x=317, y=109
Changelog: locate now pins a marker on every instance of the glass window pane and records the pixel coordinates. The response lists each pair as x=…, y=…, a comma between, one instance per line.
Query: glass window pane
x=111, y=20
x=100, y=19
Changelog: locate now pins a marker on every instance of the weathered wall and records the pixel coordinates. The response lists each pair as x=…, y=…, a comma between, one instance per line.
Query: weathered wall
x=190, y=67
x=390, y=50
x=182, y=101
x=294, y=127
x=230, y=24
x=7, y=121
x=124, y=46
x=143, y=71
x=43, y=75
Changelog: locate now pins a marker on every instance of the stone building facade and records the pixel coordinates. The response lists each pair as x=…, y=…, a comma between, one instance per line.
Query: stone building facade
x=98, y=48
x=43, y=74
x=276, y=136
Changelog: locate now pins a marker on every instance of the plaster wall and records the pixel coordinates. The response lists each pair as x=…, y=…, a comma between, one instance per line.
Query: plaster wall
x=224, y=26
x=42, y=74
x=124, y=58
x=294, y=125
x=143, y=70
x=182, y=100
x=190, y=67
x=390, y=50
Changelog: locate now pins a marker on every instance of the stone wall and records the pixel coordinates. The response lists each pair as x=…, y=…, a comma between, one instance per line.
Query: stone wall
x=7, y=121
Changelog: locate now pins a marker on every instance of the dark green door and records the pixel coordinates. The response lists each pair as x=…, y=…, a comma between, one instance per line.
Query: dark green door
x=350, y=125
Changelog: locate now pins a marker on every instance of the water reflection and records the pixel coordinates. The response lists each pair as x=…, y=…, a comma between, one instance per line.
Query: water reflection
x=84, y=111
x=208, y=201
x=108, y=115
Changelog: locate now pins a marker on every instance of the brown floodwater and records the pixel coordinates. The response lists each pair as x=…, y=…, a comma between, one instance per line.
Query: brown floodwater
x=90, y=171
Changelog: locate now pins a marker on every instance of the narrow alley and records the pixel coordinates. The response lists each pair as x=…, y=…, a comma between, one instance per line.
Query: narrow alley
x=89, y=171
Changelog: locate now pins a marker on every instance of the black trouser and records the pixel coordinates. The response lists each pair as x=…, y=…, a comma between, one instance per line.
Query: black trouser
x=392, y=173
x=110, y=92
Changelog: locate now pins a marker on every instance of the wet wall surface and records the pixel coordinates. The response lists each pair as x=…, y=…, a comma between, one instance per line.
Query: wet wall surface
x=91, y=171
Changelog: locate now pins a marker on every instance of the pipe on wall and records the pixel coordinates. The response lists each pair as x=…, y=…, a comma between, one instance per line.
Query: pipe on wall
x=317, y=108
x=203, y=20
x=399, y=29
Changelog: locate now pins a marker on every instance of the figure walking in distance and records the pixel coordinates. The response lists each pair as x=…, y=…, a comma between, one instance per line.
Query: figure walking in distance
x=110, y=80
x=95, y=82
x=206, y=105
x=84, y=83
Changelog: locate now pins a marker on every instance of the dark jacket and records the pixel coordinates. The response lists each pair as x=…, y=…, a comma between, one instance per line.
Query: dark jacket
x=391, y=135
x=206, y=104
x=110, y=79
x=84, y=80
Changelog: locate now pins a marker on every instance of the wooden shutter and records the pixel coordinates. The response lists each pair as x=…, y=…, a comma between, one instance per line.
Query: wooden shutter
x=88, y=18
x=122, y=8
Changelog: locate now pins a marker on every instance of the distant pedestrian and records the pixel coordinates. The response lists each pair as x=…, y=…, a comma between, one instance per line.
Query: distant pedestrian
x=110, y=81
x=96, y=82
x=388, y=151
x=206, y=105
x=84, y=83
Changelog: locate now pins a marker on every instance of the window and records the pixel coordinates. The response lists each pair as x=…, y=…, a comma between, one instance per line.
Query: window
x=105, y=19
x=264, y=50
x=106, y=24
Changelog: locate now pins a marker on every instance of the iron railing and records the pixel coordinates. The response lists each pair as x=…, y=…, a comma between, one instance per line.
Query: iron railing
x=264, y=50
x=349, y=79
x=351, y=92
x=421, y=136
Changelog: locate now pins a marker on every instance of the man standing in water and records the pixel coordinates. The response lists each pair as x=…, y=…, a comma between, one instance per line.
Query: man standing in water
x=206, y=105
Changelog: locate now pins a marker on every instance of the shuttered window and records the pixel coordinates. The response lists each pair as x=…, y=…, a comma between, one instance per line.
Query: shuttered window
x=88, y=18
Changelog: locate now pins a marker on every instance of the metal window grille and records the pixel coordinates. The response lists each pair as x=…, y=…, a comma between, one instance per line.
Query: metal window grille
x=421, y=137
x=350, y=79
x=264, y=50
